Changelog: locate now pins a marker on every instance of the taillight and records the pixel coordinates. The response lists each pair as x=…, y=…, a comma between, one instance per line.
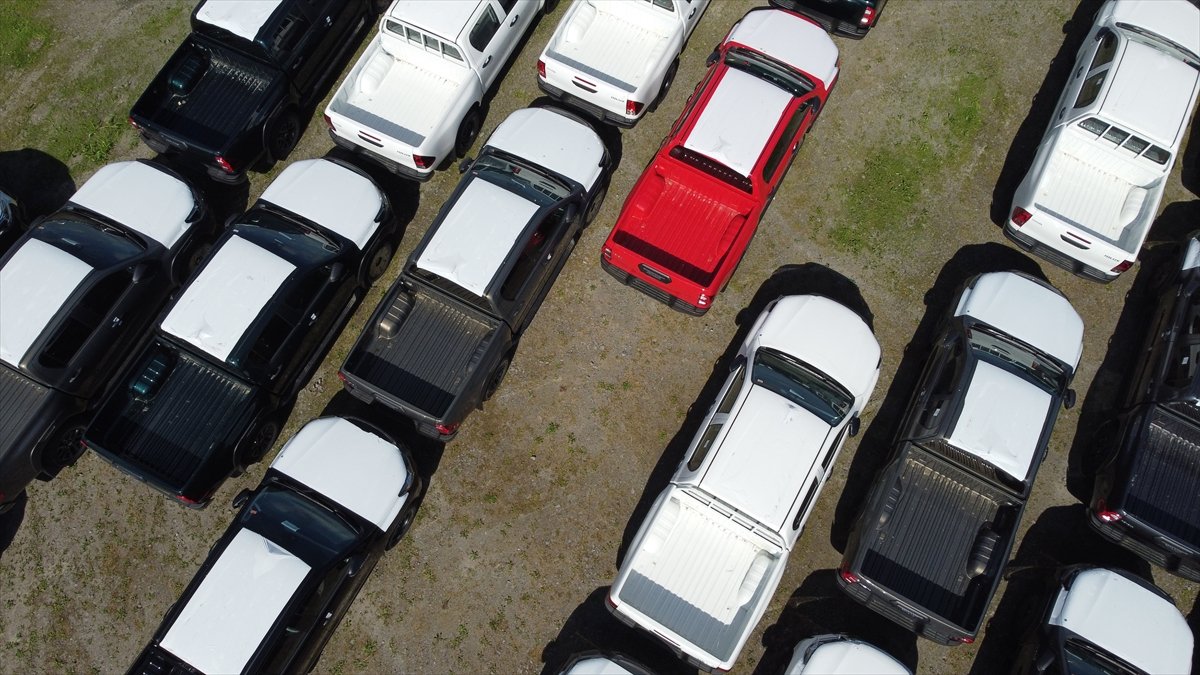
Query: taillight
x=966, y=640
x=342, y=377
x=702, y=301
x=606, y=253
x=133, y=124
x=611, y=603
x=1105, y=515
x=423, y=161
x=186, y=500
x=446, y=429
x=1020, y=216
x=1122, y=266
x=868, y=17
x=328, y=122
x=848, y=576
x=541, y=69
x=224, y=164
x=632, y=107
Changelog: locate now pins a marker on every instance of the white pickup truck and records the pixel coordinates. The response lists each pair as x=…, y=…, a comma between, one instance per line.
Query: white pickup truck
x=414, y=100
x=706, y=561
x=1098, y=176
x=615, y=58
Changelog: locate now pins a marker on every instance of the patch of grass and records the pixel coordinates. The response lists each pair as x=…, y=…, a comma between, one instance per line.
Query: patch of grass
x=23, y=33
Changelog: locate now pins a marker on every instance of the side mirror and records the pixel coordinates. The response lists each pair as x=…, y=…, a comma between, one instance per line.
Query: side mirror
x=240, y=499
x=465, y=164
x=1045, y=659
x=737, y=363
x=1069, y=399
x=230, y=219
x=356, y=565
x=713, y=57
x=852, y=427
x=336, y=273
x=572, y=213
x=140, y=273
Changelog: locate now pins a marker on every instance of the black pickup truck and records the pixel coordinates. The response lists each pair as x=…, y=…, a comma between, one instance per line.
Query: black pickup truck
x=77, y=293
x=208, y=394
x=238, y=92
x=935, y=534
x=1147, y=489
x=441, y=340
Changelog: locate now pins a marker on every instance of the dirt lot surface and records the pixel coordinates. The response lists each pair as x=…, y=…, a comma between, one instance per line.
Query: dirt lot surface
x=898, y=191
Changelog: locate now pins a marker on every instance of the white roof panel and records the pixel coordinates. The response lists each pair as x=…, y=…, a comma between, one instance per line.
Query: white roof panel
x=791, y=39
x=476, y=236
x=847, y=657
x=220, y=304
x=597, y=665
x=329, y=195
x=732, y=132
x=233, y=608
x=1027, y=311
x=826, y=335
x=1001, y=419
x=151, y=202
x=243, y=18
x=444, y=18
x=1151, y=94
x=34, y=284
x=353, y=467
x=1176, y=20
x=765, y=457
x=553, y=141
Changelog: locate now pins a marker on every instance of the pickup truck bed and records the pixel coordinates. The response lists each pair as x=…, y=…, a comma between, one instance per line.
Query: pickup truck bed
x=934, y=514
x=617, y=43
x=143, y=434
x=427, y=360
x=20, y=399
x=1167, y=467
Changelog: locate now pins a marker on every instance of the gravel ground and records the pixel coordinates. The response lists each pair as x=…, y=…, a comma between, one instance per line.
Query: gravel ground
x=529, y=509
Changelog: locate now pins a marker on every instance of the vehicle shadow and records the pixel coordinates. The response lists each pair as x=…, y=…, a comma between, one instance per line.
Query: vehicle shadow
x=38, y=181
x=426, y=452
x=1189, y=173
x=787, y=280
x=1175, y=223
x=10, y=522
x=592, y=627
x=1105, y=395
x=874, y=444
x=817, y=607
x=1029, y=134
x=1060, y=537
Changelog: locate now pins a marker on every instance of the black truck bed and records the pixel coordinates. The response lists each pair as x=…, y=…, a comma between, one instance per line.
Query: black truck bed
x=422, y=350
x=1166, y=471
x=20, y=399
x=168, y=435
x=936, y=520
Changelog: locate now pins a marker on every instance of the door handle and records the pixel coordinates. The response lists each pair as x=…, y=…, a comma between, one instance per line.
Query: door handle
x=328, y=21
x=516, y=17
x=692, y=13
x=486, y=62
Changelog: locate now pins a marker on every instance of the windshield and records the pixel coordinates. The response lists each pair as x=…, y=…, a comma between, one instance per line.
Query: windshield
x=298, y=244
x=1037, y=367
x=95, y=243
x=523, y=179
x=1159, y=42
x=805, y=386
x=766, y=68
x=1087, y=659
x=307, y=530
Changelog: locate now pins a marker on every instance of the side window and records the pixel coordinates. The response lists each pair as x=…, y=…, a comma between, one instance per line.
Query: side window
x=1106, y=50
x=507, y=5
x=783, y=146
x=691, y=104
x=291, y=31
x=485, y=28
x=804, y=506
x=451, y=51
x=833, y=449
x=535, y=248
x=705, y=444
x=412, y=35
x=84, y=319
x=735, y=387
x=298, y=627
x=1090, y=89
x=1182, y=367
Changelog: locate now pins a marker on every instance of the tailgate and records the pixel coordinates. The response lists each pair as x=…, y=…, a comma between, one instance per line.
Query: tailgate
x=21, y=400
x=611, y=46
x=1166, y=471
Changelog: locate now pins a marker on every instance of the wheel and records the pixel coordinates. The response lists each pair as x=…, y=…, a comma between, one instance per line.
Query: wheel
x=259, y=443
x=401, y=530
x=187, y=261
x=668, y=80
x=282, y=135
x=375, y=263
x=468, y=131
x=497, y=377
x=593, y=207
x=64, y=450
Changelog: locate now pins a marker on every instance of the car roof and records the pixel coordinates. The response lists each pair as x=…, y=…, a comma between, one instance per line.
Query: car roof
x=826, y=335
x=243, y=18
x=552, y=140
x=1176, y=20
x=231, y=611
x=1151, y=92
x=445, y=18
x=790, y=38
x=34, y=283
x=732, y=132
x=475, y=237
x=351, y=466
x=336, y=198
x=1001, y=420
x=148, y=201
x=847, y=657
x=1027, y=310
x=219, y=304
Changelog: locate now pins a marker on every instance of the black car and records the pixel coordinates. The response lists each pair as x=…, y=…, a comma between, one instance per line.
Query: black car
x=851, y=18
x=276, y=584
x=1147, y=487
x=209, y=393
x=12, y=220
x=77, y=292
x=239, y=91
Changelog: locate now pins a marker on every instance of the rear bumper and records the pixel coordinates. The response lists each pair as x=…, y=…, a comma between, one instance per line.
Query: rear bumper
x=589, y=108
x=1148, y=546
x=424, y=424
x=850, y=29
x=1031, y=245
x=391, y=165
x=884, y=603
x=662, y=296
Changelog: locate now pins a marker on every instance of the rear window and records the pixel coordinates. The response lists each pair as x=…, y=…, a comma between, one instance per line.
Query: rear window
x=711, y=167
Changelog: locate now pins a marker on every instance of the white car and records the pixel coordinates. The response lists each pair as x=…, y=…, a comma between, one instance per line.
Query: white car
x=842, y=655
x=1098, y=176
x=706, y=561
x=615, y=59
x=276, y=584
x=414, y=100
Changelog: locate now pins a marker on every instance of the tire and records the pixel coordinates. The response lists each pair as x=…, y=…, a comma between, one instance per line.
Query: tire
x=468, y=131
x=187, y=261
x=401, y=530
x=593, y=207
x=283, y=133
x=375, y=263
x=497, y=377
x=668, y=80
x=64, y=449
x=260, y=441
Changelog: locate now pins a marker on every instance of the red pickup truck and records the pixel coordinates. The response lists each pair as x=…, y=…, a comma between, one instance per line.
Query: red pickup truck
x=687, y=222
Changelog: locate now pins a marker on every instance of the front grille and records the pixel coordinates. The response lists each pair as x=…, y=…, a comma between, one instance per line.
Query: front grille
x=1056, y=257
x=652, y=291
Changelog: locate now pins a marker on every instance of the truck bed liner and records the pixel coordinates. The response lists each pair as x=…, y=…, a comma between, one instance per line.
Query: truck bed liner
x=922, y=551
x=20, y=398
x=1167, y=471
x=606, y=33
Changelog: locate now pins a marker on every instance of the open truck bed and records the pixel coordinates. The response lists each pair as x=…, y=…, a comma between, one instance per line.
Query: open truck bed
x=616, y=42
x=1167, y=470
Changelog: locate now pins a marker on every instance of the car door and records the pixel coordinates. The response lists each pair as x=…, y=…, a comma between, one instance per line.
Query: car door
x=788, y=143
x=497, y=27
x=691, y=10
x=535, y=268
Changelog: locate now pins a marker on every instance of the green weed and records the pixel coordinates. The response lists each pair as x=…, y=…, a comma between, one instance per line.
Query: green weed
x=23, y=33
